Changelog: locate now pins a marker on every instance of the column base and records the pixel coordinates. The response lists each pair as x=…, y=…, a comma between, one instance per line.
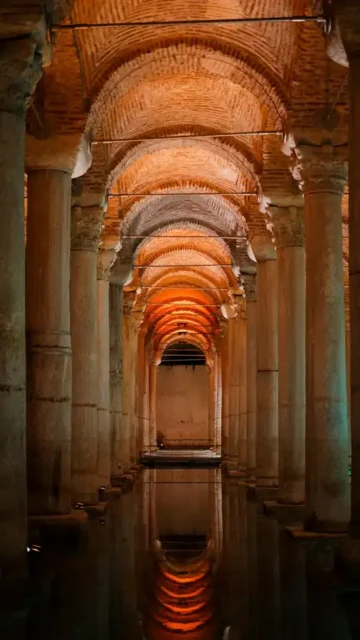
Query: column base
x=58, y=525
x=285, y=513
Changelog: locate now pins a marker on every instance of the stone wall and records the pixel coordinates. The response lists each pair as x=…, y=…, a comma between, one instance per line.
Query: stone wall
x=182, y=402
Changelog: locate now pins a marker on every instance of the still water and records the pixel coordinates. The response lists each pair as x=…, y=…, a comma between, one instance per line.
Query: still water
x=186, y=555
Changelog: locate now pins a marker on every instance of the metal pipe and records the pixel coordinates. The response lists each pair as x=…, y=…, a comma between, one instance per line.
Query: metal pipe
x=184, y=193
x=203, y=237
x=182, y=23
x=189, y=136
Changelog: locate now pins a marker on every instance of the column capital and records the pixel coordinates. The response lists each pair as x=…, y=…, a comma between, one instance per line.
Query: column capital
x=288, y=225
x=20, y=70
x=105, y=261
x=86, y=227
x=321, y=168
x=263, y=248
x=249, y=282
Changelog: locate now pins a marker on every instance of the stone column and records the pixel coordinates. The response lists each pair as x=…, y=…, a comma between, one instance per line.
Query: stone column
x=323, y=172
x=251, y=374
x=131, y=324
x=20, y=69
x=152, y=401
x=116, y=328
x=241, y=338
x=233, y=385
x=141, y=383
x=348, y=15
x=218, y=404
x=85, y=233
x=211, y=403
x=267, y=439
x=105, y=260
x=48, y=342
x=225, y=385
x=290, y=241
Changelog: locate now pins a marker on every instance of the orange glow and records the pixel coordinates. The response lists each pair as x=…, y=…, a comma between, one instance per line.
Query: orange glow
x=183, y=580
x=182, y=610
x=188, y=595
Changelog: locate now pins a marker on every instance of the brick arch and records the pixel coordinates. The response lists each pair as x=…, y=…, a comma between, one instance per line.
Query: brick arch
x=203, y=66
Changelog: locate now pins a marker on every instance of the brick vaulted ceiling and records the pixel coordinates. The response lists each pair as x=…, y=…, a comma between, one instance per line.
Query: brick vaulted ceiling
x=139, y=92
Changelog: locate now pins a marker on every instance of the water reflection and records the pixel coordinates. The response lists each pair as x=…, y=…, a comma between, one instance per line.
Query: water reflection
x=185, y=555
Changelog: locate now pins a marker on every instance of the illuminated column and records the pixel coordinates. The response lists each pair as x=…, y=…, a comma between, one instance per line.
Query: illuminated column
x=225, y=382
x=251, y=375
x=20, y=69
x=152, y=402
x=48, y=342
x=290, y=242
x=131, y=325
x=218, y=390
x=85, y=233
x=141, y=384
x=105, y=260
x=233, y=385
x=323, y=172
x=267, y=439
x=211, y=402
x=241, y=366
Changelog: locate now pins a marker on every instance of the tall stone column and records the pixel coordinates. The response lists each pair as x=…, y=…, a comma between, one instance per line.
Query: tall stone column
x=48, y=342
x=105, y=260
x=218, y=404
x=290, y=241
x=120, y=273
x=323, y=172
x=211, y=403
x=20, y=69
x=131, y=325
x=241, y=339
x=141, y=384
x=85, y=234
x=267, y=438
x=225, y=385
x=233, y=384
x=348, y=16
x=251, y=374
x=152, y=402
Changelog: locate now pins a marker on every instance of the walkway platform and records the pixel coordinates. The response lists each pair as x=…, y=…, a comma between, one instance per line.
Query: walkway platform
x=181, y=457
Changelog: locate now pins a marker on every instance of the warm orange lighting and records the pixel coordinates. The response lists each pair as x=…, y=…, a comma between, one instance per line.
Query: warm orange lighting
x=188, y=595
x=183, y=580
x=183, y=610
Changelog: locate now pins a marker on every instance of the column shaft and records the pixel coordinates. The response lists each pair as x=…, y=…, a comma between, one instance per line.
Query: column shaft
x=129, y=386
x=19, y=71
x=85, y=377
x=267, y=375
x=233, y=384
x=327, y=481
x=242, y=388
x=103, y=373
x=251, y=306
x=152, y=402
x=225, y=385
x=48, y=342
x=289, y=233
x=116, y=328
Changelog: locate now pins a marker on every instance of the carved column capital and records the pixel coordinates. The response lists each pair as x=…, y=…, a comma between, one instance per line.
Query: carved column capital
x=321, y=168
x=105, y=261
x=249, y=282
x=86, y=227
x=20, y=70
x=263, y=248
x=288, y=225
x=240, y=307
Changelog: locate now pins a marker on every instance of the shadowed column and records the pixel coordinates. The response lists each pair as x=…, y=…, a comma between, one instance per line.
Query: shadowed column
x=20, y=69
x=251, y=374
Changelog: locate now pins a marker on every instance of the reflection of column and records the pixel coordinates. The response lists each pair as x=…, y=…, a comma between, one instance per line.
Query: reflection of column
x=251, y=304
x=290, y=242
x=105, y=259
x=225, y=385
x=152, y=398
x=48, y=341
x=19, y=71
x=86, y=227
x=241, y=332
x=327, y=482
x=131, y=325
x=267, y=363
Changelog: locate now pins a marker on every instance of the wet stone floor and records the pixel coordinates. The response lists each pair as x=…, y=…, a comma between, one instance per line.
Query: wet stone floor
x=185, y=555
